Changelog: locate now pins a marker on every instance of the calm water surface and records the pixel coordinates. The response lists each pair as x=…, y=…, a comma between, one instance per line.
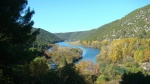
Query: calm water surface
x=88, y=53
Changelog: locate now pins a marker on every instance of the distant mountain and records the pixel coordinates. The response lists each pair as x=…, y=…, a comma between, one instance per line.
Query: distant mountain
x=135, y=24
x=72, y=35
x=44, y=37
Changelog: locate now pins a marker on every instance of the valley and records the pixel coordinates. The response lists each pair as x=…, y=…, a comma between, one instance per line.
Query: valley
x=124, y=45
x=124, y=48
x=114, y=53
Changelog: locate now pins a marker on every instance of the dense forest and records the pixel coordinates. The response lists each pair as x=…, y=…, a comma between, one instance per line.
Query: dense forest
x=124, y=44
x=44, y=38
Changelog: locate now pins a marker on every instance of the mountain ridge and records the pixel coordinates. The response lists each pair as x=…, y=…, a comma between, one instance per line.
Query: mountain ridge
x=44, y=38
x=134, y=24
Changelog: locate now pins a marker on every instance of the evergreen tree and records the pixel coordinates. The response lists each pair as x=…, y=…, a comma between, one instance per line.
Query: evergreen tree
x=16, y=38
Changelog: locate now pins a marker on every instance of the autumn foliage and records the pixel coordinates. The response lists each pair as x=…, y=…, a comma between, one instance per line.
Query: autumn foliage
x=120, y=49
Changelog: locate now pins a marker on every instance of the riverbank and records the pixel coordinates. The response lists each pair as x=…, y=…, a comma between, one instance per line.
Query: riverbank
x=92, y=44
x=74, y=42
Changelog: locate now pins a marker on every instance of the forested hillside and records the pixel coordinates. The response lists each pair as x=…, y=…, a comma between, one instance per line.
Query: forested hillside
x=134, y=24
x=44, y=37
x=72, y=35
x=76, y=35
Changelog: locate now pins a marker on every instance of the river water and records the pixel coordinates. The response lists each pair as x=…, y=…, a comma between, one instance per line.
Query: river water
x=88, y=52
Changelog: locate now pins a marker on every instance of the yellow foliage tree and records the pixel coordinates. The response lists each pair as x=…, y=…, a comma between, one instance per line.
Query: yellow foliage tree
x=139, y=56
x=147, y=54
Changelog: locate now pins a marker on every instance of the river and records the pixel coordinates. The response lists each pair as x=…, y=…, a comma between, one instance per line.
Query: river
x=88, y=52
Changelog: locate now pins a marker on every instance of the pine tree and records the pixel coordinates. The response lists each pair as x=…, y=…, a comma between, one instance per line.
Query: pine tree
x=15, y=30
x=16, y=38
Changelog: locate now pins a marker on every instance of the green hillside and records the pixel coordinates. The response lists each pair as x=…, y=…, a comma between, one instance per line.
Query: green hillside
x=44, y=37
x=134, y=24
x=73, y=35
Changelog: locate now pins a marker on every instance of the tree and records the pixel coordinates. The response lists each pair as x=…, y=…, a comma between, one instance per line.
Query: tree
x=38, y=71
x=147, y=54
x=89, y=70
x=15, y=31
x=135, y=78
x=69, y=75
x=16, y=37
x=139, y=56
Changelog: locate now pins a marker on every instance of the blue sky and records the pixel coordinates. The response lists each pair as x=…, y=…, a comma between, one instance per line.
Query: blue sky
x=78, y=15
